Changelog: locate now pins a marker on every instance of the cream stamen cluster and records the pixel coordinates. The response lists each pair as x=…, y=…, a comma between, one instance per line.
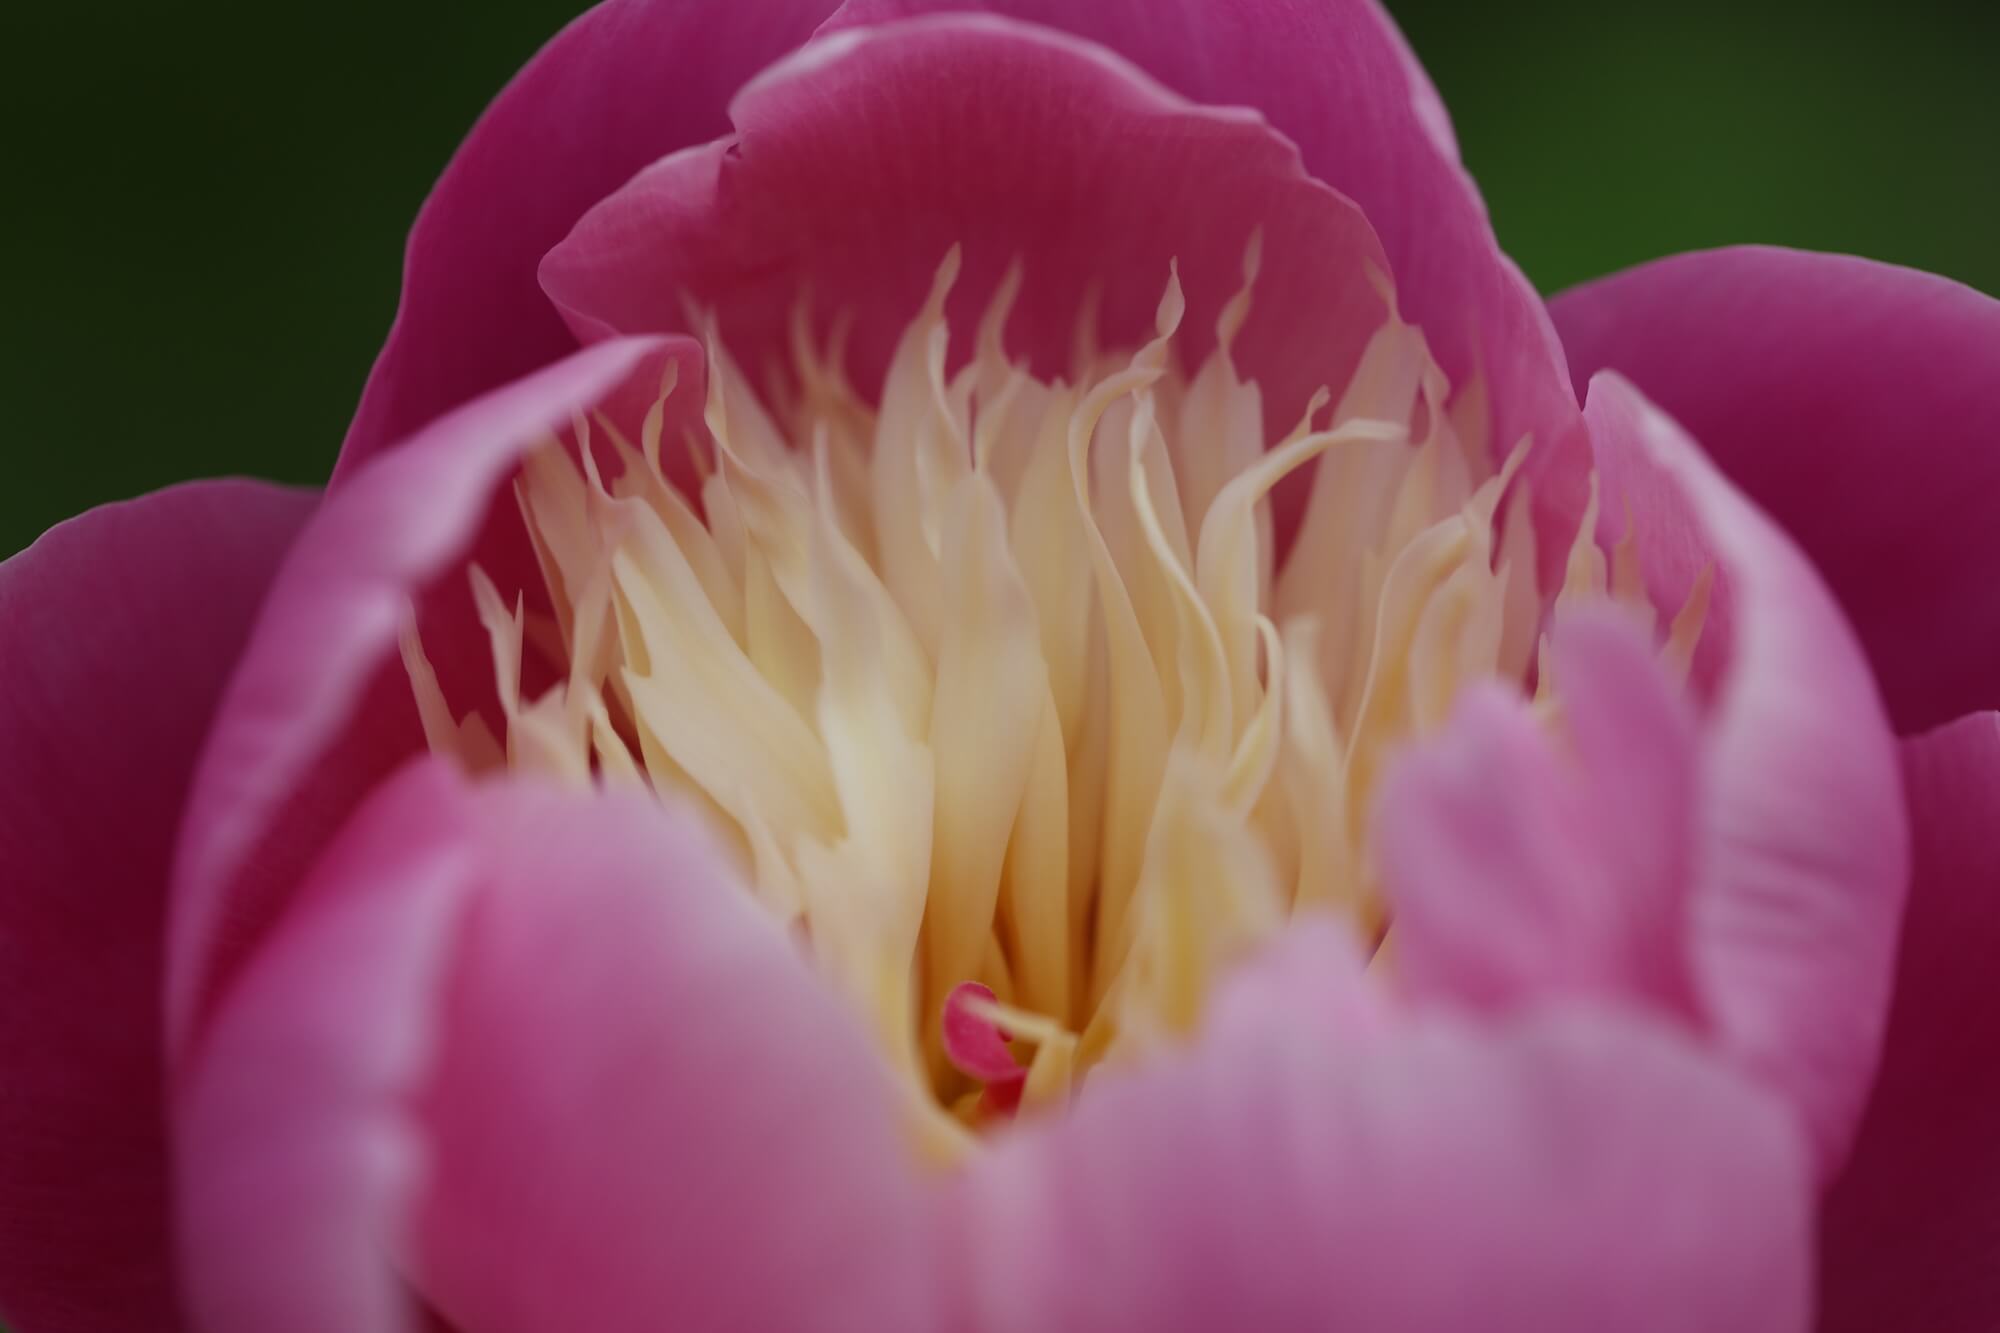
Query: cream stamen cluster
x=998, y=689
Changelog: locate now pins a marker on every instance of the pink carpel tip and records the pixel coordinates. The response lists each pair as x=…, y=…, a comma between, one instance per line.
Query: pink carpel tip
x=977, y=1048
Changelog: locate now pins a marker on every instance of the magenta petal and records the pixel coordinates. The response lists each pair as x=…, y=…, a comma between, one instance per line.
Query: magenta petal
x=1805, y=850
x=1337, y=79
x=860, y=161
x=120, y=629
x=649, y=1111
x=1566, y=1172
x=622, y=85
x=320, y=709
x=1521, y=864
x=1859, y=404
x=1910, y=1234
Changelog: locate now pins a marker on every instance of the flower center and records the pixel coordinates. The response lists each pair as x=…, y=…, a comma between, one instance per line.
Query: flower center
x=998, y=690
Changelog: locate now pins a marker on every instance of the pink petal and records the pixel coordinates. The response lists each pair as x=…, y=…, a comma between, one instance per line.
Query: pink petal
x=121, y=627
x=534, y=1054
x=1337, y=79
x=296, y=1159
x=320, y=709
x=1805, y=846
x=649, y=1110
x=1859, y=404
x=1910, y=1235
x=1521, y=866
x=1300, y=1171
x=860, y=161
x=622, y=85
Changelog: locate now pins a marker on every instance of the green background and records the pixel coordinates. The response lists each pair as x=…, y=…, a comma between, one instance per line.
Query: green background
x=205, y=203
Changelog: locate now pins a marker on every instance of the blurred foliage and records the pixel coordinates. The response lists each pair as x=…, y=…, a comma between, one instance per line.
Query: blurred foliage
x=209, y=200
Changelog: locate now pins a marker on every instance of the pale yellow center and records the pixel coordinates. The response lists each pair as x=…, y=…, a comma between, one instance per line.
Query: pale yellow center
x=997, y=682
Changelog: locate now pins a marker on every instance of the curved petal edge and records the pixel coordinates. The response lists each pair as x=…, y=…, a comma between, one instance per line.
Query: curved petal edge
x=1805, y=847
x=121, y=627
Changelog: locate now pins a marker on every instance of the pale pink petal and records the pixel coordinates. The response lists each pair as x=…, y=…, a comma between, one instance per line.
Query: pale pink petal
x=1337, y=79
x=120, y=630
x=1859, y=404
x=321, y=709
x=533, y=1057
x=649, y=1111
x=1521, y=864
x=857, y=163
x=1910, y=1234
x=296, y=1160
x=1805, y=853
x=624, y=84
x=1302, y=1170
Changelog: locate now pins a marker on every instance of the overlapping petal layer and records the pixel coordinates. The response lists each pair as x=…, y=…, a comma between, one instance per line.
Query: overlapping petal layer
x=628, y=82
x=533, y=1057
x=1859, y=404
x=648, y=1106
x=593, y=108
x=296, y=1158
x=121, y=627
x=1803, y=857
x=859, y=162
x=1338, y=80
x=1912, y=1227
x=1527, y=860
x=320, y=710
x=619, y=1080
x=1316, y=1164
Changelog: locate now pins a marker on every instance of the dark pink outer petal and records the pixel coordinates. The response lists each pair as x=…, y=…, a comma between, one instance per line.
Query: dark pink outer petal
x=1910, y=1235
x=860, y=161
x=320, y=709
x=1860, y=405
x=534, y=1056
x=120, y=629
x=1303, y=1168
x=1804, y=857
x=1337, y=78
x=635, y=79
x=624, y=84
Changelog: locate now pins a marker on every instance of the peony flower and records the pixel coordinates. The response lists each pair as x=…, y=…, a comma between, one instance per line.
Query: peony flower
x=982, y=670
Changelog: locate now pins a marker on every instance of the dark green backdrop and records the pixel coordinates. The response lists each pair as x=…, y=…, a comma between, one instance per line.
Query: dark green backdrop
x=205, y=203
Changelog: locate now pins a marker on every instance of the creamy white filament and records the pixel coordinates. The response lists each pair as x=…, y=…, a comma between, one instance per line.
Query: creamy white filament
x=997, y=681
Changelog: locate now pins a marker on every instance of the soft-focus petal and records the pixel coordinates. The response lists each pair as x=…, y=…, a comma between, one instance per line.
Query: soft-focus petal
x=1303, y=1170
x=626, y=83
x=859, y=162
x=121, y=628
x=296, y=1158
x=1805, y=855
x=1910, y=1235
x=1857, y=403
x=1522, y=864
x=1336, y=78
x=321, y=708
x=649, y=1111
x=532, y=1055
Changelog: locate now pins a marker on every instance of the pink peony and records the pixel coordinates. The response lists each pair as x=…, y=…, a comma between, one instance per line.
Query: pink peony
x=1060, y=722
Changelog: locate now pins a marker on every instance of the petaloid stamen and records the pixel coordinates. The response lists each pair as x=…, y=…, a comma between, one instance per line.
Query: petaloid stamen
x=995, y=687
